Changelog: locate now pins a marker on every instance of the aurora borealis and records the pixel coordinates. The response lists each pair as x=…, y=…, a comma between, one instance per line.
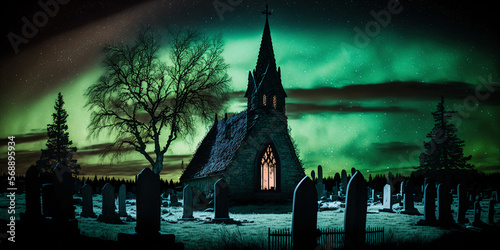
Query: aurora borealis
x=367, y=107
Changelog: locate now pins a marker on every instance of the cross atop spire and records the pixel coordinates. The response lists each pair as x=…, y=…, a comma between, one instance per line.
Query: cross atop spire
x=267, y=12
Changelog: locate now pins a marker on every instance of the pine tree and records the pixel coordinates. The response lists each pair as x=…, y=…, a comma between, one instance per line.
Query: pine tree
x=444, y=150
x=59, y=149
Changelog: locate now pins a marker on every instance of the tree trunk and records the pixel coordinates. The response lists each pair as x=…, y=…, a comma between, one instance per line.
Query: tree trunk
x=158, y=166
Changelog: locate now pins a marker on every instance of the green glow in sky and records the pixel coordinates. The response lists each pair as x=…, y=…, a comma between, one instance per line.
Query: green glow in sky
x=374, y=135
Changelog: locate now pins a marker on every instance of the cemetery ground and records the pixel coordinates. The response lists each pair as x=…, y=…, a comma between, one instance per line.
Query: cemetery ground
x=401, y=230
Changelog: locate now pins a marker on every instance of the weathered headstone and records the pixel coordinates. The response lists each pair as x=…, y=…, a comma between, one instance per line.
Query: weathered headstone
x=320, y=187
x=122, y=195
x=304, y=215
x=491, y=211
x=87, y=202
x=48, y=200
x=320, y=174
x=187, y=206
x=221, y=200
x=174, y=201
x=148, y=202
x=355, y=211
x=462, y=204
x=408, y=203
x=430, y=203
x=108, y=214
x=477, y=214
x=62, y=182
x=387, y=201
x=33, y=206
x=343, y=180
x=444, y=205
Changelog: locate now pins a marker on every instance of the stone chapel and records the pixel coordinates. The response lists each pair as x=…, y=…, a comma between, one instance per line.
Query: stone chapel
x=252, y=150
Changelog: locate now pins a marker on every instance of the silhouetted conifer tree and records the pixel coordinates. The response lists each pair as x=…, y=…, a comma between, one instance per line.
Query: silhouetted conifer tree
x=444, y=150
x=59, y=147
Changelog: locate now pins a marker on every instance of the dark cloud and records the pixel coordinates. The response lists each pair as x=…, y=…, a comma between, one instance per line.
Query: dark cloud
x=26, y=138
x=402, y=91
x=298, y=109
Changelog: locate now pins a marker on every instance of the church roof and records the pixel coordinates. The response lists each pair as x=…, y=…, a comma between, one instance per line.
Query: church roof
x=218, y=148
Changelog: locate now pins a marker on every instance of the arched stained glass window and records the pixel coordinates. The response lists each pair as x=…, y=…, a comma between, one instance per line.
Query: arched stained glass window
x=275, y=102
x=268, y=167
x=264, y=99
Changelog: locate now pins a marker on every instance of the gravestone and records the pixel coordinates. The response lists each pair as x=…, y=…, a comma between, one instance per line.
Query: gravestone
x=33, y=206
x=47, y=200
x=108, y=214
x=221, y=200
x=304, y=215
x=187, y=206
x=477, y=214
x=58, y=222
x=491, y=211
x=87, y=202
x=320, y=174
x=320, y=187
x=462, y=204
x=355, y=211
x=408, y=203
x=62, y=182
x=122, y=195
x=174, y=201
x=445, y=217
x=430, y=203
x=343, y=180
x=387, y=201
x=148, y=202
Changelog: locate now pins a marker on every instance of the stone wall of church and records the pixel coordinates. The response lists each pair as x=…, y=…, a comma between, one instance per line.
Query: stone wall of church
x=241, y=174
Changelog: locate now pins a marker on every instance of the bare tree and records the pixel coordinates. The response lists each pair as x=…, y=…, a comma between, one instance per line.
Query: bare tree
x=146, y=103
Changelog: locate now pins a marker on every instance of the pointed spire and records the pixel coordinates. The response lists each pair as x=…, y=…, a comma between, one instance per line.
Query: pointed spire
x=266, y=52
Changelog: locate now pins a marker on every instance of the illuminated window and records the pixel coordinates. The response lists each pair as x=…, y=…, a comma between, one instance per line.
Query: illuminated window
x=274, y=102
x=268, y=170
x=264, y=100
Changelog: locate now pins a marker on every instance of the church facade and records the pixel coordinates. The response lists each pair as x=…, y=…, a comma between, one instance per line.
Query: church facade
x=251, y=150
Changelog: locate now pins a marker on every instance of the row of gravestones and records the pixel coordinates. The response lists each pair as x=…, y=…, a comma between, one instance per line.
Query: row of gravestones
x=221, y=202
x=305, y=213
x=320, y=186
x=108, y=203
x=57, y=200
x=407, y=190
x=444, y=200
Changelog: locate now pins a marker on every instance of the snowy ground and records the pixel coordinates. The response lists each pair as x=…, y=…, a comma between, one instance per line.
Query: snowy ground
x=256, y=221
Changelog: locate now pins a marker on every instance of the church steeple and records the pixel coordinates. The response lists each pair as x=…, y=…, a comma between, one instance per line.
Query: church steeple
x=265, y=90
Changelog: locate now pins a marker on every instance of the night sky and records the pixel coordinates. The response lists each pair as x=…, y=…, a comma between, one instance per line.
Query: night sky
x=354, y=100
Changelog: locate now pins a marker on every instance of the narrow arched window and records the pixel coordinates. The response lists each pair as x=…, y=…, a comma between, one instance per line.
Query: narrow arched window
x=268, y=167
x=275, y=102
x=264, y=99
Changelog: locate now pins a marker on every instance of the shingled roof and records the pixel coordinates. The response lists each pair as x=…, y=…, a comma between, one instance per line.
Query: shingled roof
x=218, y=148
